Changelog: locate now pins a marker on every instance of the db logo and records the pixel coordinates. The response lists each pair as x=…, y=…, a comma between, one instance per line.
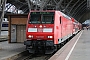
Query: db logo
x=40, y=30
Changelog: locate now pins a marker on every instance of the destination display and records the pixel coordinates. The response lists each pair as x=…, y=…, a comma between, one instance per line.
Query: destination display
x=42, y=12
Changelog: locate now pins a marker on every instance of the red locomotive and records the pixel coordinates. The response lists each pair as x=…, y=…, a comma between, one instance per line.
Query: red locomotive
x=46, y=30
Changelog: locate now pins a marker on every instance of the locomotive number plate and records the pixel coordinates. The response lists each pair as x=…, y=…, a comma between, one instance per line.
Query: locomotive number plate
x=40, y=36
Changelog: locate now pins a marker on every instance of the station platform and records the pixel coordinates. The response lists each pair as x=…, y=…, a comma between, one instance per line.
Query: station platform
x=4, y=36
x=9, y=50
x=78, y=48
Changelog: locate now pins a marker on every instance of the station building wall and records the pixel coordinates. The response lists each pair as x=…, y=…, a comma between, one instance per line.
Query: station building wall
x=17, y=27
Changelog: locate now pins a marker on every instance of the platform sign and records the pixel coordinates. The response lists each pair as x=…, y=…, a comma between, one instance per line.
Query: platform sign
x=42, y=12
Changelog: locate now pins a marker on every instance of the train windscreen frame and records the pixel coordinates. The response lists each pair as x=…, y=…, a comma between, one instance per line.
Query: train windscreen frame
x=41, y=18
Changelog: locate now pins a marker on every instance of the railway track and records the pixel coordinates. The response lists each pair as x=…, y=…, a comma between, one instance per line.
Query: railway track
x=38, y=56
x=35, y=57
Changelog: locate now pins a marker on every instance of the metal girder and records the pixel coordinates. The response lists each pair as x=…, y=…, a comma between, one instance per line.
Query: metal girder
x=73, y=6
x=0, y=2
x=67, y=5
x=77, y=7
x=55, y=1
x=20, y=6
x=56, y=4
x=2, y=6
x=8, y=7
x=80, y=8
x=81, y=14
x=51, y=4
x=80, y=19
x=47, y=3
x=25, y=9
x=32, y=5
x=43, y=4
x=29, y=4
x=20, y=1
x=78, y=15
x=37, y=5
x=59, y=4
x=85, y=16
x=70, y=7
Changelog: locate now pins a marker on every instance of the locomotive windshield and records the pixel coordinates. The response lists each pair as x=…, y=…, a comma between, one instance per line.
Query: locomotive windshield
x=42, y=18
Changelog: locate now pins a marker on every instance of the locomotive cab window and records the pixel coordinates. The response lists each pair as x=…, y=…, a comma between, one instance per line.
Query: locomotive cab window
x=48, y=19
x=35, y=18
x=41, y=18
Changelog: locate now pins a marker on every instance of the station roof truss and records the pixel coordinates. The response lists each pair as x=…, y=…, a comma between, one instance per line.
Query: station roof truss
x=78, y=9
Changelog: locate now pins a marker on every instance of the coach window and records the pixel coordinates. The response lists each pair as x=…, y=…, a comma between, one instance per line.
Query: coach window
x=60, y=20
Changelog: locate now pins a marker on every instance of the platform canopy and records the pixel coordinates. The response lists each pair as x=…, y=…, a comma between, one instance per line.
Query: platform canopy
x=79, y=9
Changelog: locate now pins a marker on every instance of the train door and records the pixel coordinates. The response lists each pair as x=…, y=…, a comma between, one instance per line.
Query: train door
x=60, y=29
x=21, y=36
x=13, y=33
x=63, y=28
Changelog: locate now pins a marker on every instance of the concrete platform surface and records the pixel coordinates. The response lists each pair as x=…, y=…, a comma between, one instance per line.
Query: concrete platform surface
x=62, y=53
x=82, y=48
x=7, y=50
x=77, y=49
x=4, y=36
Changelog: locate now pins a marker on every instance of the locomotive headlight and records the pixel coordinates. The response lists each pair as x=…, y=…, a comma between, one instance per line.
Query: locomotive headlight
x=40, y=26
x=50, y=36
x=30, y=36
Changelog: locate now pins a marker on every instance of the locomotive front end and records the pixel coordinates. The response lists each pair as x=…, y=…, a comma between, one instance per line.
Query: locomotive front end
x=40, y=31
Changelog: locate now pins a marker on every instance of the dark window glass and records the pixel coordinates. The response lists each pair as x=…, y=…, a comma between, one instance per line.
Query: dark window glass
x=41, y=18
x=60, y=20
x=4, y=25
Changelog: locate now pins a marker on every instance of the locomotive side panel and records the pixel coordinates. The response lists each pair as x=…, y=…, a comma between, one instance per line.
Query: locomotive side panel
x=57, y=28
x=66, y=27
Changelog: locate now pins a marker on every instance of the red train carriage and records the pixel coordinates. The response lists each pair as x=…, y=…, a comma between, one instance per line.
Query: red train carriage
x=76, y=26
x=47, y=29
x=80, y=26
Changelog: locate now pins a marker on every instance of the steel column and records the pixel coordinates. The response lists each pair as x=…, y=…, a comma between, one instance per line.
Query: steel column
x=2, y=5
